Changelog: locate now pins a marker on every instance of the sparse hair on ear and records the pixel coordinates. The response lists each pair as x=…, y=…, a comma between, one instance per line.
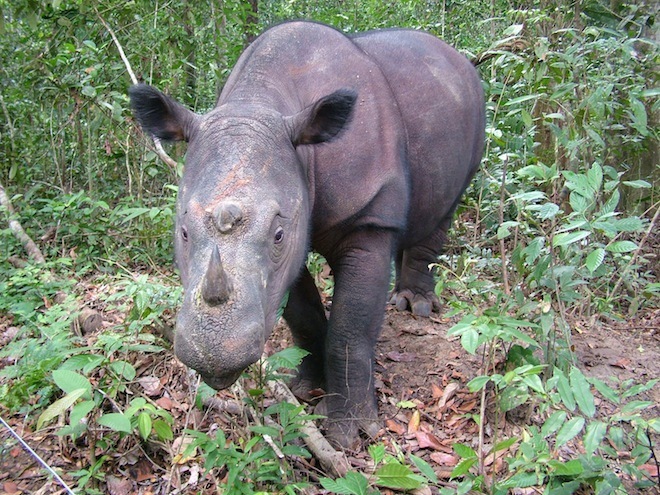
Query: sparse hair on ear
x=324, y=120
x=160, y=115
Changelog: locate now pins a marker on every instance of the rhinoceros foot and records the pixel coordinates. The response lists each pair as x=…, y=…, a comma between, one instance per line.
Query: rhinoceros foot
x=343, y=428
x=420, y=304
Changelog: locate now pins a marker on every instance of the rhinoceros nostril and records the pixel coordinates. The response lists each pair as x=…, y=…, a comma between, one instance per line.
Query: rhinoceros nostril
x=216, y=286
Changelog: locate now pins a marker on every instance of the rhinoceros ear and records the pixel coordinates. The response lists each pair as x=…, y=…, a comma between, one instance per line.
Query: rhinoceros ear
x=324, y=120
x=160, y=115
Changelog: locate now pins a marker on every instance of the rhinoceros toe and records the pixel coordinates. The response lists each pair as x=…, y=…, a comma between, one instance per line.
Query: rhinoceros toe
x=420, y=304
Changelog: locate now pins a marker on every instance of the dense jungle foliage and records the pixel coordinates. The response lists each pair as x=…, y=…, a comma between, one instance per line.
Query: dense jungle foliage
x=560, y=222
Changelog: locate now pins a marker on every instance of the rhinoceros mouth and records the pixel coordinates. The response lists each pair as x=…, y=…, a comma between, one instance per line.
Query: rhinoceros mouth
x=221, y=382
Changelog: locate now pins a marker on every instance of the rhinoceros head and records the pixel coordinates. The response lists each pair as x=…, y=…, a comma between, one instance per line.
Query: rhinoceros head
x=242, y=219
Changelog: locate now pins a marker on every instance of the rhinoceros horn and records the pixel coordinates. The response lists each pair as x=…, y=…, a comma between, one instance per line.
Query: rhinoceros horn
x=216, y=286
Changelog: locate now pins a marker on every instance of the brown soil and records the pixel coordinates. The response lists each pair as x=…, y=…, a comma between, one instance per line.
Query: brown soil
x=417, y=366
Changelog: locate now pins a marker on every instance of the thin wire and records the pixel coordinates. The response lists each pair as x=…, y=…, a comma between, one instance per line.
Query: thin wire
x=36, y=456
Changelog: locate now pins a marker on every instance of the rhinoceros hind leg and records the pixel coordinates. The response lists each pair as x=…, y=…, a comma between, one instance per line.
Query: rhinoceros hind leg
x=414, y=286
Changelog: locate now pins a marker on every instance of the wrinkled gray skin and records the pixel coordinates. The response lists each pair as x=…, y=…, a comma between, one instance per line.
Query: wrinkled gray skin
x=359, y=148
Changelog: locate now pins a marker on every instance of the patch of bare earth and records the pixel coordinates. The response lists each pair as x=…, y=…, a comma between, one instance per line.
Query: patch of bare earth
x=425, y=407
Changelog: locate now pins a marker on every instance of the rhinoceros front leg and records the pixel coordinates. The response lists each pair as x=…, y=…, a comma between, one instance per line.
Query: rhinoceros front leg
x=305, y=316
x=362, y=274
x=414, y=287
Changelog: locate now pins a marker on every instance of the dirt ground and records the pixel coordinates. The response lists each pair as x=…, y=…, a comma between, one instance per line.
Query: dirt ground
x=417, y=366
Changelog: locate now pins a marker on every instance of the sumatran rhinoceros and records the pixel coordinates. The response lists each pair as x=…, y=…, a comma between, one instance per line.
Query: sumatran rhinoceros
x=356, y=147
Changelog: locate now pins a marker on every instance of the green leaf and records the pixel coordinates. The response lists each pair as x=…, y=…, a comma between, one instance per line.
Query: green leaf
x=425, y=468
x=595, y=259
x=123, y=368
x=582, y=392
x=608, y=392
x=163, y=430
x=570, y=430
x=569, y=238
x=396, y=475
x=69, y=381
x=570, y=468
x=116, y=422
x=553, y=423
x=478, y=383
x=637, y=184
x=629, y=224
x=621, y=247
x=564, y=389
x=463, y=467
x=595, y=175
x=595, y=433
x=377, y=452
x=60, y=406
x=352, y=484
x=548, y=211
x=470, y=340
x=80, y=410
x=504, y=444
x=336, y=486
x=144, y=425
x=464, y=451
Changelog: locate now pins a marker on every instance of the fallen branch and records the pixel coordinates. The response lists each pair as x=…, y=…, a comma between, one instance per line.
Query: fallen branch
x=333, y=461
x=158, y=147
x=30, y=247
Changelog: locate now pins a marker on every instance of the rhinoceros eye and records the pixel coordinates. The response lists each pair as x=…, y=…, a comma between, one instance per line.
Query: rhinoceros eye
x=279, y=235
x=184, y=234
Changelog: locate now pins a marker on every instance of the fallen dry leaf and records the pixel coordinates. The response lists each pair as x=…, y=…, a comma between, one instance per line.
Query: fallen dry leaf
x=118, y=486
x=166, y=403
x=651, y=469
x=11, y=487
x=401, y=357
x=395, y=427
x=428, y=440
x=413, y=424
x=151, y=385
x=448, y=393
x=444, y=459
x=622, y=363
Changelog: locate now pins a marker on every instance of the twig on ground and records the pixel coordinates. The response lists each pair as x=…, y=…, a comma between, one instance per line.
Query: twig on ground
x=37, y=457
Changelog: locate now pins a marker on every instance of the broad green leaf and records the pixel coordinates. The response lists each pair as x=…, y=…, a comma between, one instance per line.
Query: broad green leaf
x=521, y=99
x=637, y=184
x=578, y=202
x=582, y=392
x=621, y=247
x=377, y=452
x=470, y=340
x=464, y=451
x=69, y=381
x=463, y=467
x=548, y=211
x=396, y=475
x=569, y=468
x=564, y=389
x=629, y=224
x=116, y=421
x=124, y=369
x=60, y=406
x=553, y=423
x=163, y=430
x=569, y=238
x=608, y=392
x=478, y=383
x=595, y=175
x=425, y=468
x=80, y=410
x=594, y=435
x=570, y=430
x=504, y=444
x=595, y=259
x=144, y=425
x=338, y=486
